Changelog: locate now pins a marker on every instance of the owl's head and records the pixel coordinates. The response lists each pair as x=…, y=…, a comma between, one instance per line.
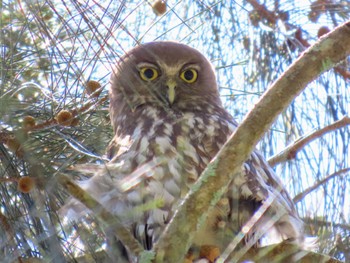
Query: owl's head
x=163, y=74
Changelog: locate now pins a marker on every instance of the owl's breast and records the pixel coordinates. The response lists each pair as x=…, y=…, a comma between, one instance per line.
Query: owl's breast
x=179, y=145
x=162, y=154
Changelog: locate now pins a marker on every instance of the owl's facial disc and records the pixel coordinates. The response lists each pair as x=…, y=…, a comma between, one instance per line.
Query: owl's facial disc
x=170, y=77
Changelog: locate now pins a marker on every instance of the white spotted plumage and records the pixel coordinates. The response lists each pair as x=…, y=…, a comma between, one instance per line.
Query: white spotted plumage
x=161, y=147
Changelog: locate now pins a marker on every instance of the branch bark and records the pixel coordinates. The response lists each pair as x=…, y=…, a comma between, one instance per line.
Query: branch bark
x=279, y=253
x=326, y=53
x=291, y=151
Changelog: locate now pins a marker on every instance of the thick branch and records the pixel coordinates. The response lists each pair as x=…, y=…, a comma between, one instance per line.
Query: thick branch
x=307, y=191
x=177, y=237
x=280, y=253
x=291, y=151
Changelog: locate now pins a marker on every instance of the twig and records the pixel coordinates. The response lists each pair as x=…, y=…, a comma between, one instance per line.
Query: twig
x=301, y=195
x=10, y=139
x=320, y=222
x=75, y=113
x=207, y=191
x=262, y=11
x=291, y=151
x=102, y=214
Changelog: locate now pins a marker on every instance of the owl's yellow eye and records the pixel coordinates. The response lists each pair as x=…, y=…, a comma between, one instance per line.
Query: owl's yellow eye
x=189, y=75
x=148, y=73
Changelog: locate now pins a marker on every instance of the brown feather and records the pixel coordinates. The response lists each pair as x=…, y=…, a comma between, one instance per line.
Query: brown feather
x=160, y=149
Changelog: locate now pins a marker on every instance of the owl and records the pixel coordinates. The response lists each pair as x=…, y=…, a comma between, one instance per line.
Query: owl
x=168, y=124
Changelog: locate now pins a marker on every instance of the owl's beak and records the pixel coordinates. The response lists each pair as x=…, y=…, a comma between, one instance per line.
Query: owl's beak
x=171, y=84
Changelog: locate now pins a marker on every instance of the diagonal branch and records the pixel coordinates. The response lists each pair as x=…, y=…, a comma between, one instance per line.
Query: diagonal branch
x=320, y=222
x=307, y=191
x=291, y=151
x=326, y=53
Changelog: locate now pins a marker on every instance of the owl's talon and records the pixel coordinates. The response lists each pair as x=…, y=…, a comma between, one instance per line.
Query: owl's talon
x=209, y=252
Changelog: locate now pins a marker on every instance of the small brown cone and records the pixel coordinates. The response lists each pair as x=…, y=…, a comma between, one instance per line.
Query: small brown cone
x=93, y=88
x=322, y=31
x=28, y=122
x=64, y=118
x=159, y=7
x=25, y=184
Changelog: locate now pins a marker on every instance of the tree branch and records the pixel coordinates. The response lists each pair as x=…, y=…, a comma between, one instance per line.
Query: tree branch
x=291, y=151
x=75, y=112
x=177, y=237
x=319, y=222
x=307, y=191
x=279, y=253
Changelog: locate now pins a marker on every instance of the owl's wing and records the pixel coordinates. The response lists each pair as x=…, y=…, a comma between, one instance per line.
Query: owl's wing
x=112, y=184
x=119, y=146
x=265, y=203
x=102, y=183
x=96, y=185
x=278, y=218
